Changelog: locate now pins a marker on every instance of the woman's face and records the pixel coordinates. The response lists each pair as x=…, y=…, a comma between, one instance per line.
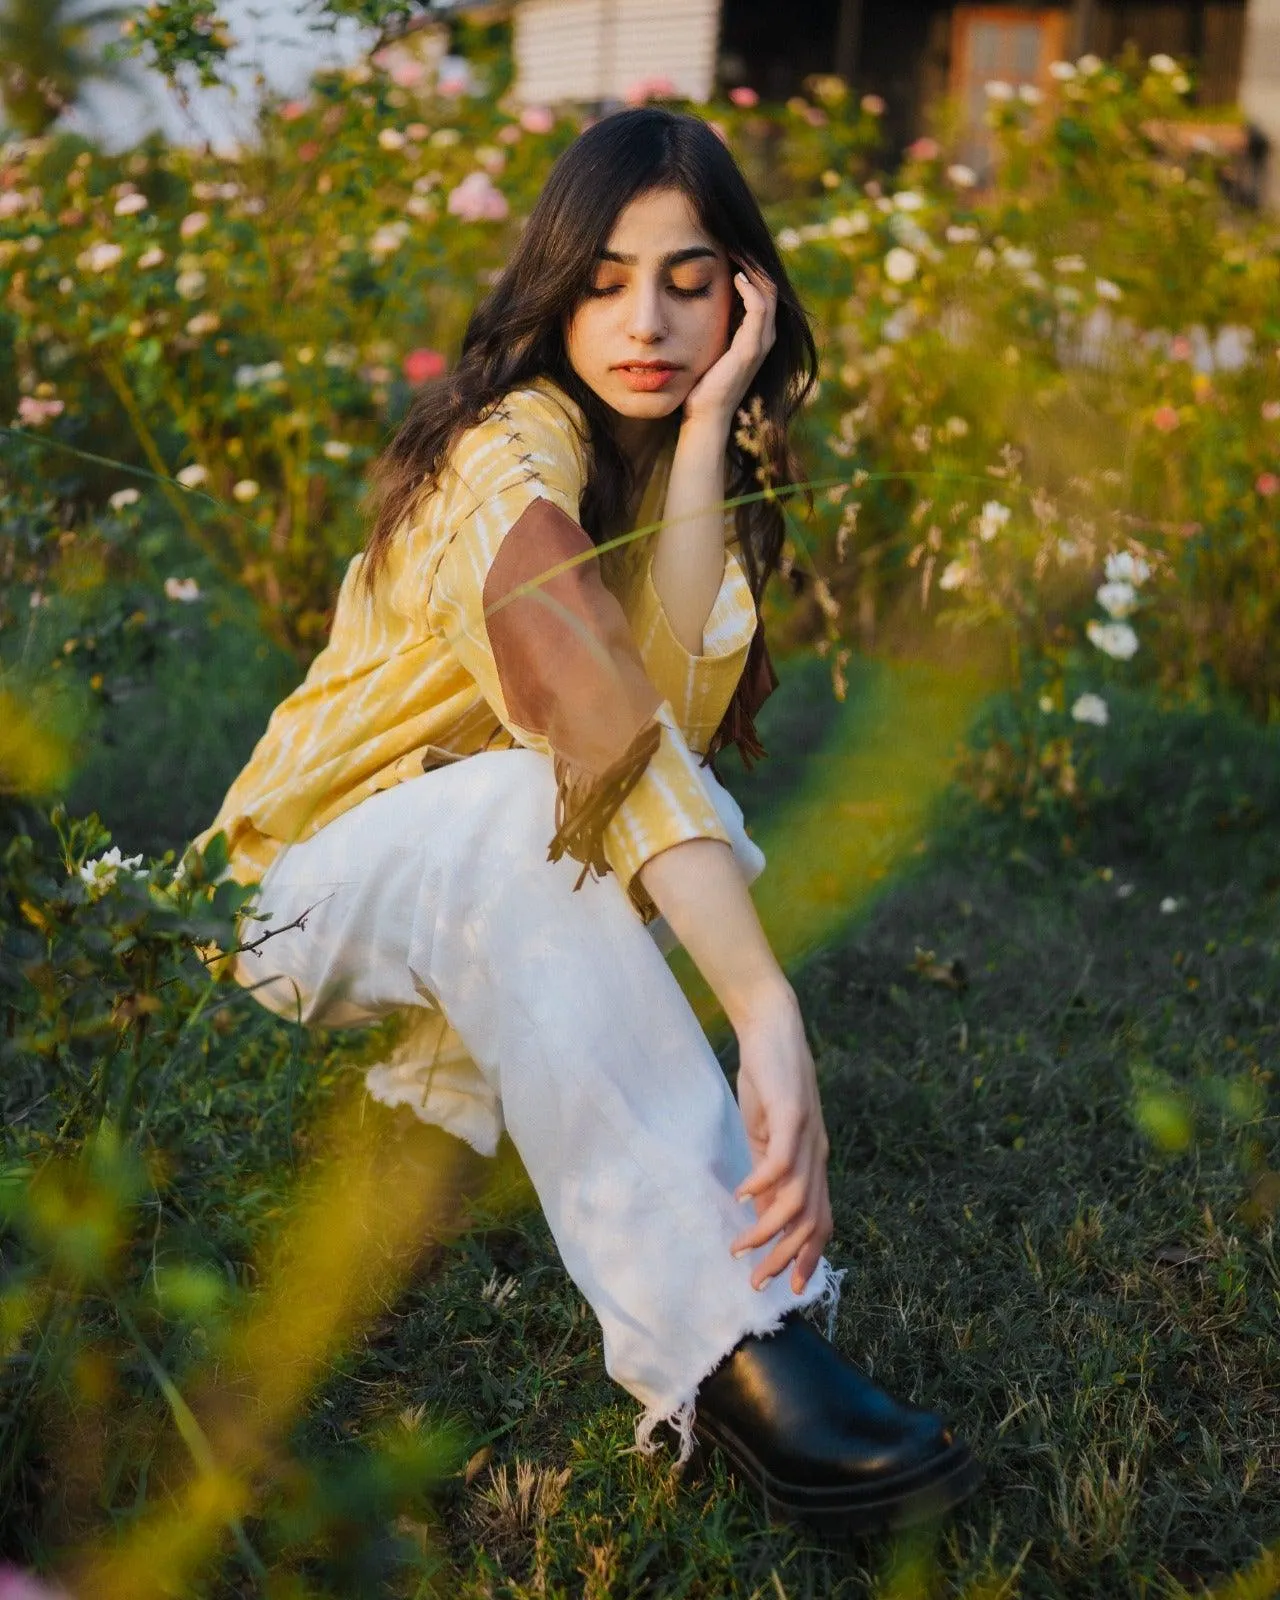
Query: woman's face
x=657, y=313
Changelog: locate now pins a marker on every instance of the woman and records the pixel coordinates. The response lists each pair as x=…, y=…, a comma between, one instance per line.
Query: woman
x=495, y=775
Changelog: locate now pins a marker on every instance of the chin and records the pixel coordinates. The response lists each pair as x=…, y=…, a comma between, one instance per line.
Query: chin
x=644, y=407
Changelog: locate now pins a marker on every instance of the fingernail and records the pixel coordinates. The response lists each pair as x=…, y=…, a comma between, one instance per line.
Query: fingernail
x=738, y=1254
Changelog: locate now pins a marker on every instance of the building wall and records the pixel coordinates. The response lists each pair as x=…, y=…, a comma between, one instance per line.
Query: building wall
x=599, y=49
x=1260, y=87
x=1212, y=33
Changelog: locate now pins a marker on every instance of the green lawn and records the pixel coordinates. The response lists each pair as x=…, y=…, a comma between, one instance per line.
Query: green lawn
x=1054, y=1188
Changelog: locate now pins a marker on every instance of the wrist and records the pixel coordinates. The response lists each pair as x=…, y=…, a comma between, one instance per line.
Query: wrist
x=765, y=1000
x=706, y=430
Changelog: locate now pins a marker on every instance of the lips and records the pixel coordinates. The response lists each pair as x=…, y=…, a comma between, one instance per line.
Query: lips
x=646, y=377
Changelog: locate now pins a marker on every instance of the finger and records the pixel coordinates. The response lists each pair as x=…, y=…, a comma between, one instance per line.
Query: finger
x=783, y=1253
x=789, y=1204
x=806, y=1265
x=784, y=1144
x=756, y=302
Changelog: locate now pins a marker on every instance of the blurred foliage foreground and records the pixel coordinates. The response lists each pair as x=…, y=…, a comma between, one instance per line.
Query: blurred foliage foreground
x=257, y=1338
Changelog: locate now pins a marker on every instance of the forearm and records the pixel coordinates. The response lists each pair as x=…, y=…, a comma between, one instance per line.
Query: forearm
x=699, y=889
x=688, y=561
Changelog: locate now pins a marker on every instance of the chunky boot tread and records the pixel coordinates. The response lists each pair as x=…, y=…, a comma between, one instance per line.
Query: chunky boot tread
x=925, y=1493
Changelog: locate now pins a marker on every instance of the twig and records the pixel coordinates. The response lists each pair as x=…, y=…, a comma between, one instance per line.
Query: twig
x=254, y=945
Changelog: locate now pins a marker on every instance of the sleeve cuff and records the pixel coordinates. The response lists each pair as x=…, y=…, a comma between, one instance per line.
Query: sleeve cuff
x=670, y=804
x=699, y=687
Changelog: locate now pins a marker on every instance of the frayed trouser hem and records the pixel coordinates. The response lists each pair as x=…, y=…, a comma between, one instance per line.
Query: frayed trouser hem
x=822, y=1293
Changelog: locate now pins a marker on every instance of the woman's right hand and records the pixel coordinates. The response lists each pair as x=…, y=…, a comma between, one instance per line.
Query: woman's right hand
x=778, y=1097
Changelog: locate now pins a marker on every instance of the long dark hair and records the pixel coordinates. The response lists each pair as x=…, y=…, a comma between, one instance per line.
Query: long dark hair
x=516, y=334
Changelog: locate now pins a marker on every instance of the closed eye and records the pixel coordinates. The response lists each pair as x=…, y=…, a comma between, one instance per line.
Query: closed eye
x=684, y=294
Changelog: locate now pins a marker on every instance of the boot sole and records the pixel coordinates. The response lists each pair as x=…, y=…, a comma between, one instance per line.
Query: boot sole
x=924, y=1494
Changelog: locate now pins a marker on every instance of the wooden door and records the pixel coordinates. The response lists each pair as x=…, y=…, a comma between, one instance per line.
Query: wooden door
x=1008, y=44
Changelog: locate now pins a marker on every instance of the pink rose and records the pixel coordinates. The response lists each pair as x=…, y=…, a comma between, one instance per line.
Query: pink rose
x=508, y=135
x=1267, y=484
x=308, y=150
x=537, y=119
x=476, y=200
x=650, y=89
x=420, y=366
x=1180, y=348
x=291, y=110
x=873, y=105
x=925, y=149
x=742, y=96
x=35, y=412
x=1165, y=418
x=408, y=74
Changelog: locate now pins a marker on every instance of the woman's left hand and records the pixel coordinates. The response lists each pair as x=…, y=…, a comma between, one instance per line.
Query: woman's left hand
x=721, y=389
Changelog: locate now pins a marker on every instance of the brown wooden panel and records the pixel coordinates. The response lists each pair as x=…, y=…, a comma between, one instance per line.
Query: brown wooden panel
x=1224, y=30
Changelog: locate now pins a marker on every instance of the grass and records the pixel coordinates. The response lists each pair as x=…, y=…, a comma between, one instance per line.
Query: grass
x=1054, y=1185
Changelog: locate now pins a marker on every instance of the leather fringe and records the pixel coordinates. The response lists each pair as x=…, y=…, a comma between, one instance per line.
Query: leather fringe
x=586, y=803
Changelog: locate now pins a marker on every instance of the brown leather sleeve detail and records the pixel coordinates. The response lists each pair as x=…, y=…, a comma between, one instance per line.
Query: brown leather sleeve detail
x=569, y=670
x=737, y=726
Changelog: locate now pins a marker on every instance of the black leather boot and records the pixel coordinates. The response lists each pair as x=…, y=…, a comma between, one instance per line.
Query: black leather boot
x=822, y=1444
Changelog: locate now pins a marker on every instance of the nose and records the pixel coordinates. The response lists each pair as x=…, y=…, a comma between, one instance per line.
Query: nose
x=647, y=320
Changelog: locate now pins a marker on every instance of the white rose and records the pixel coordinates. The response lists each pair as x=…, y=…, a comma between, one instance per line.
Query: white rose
x=193, y=476
x=101, y=872
x=992, y=520
x=1124, y=567
x=245, y=490
x=997, y=89
x=1114, y=639
x=954, y=576
x=122, y=498
x=1091, y=708
x=1117, y=599
x=900, y=265
x=100, y=257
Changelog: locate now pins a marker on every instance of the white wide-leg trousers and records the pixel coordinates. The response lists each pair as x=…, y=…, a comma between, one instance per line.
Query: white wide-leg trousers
x=551, y=1013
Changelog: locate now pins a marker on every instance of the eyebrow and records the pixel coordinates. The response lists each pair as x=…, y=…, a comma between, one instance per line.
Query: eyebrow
x=673, y=258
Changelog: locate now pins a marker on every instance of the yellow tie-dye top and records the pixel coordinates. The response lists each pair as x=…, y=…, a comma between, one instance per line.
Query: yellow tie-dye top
x=408, y=679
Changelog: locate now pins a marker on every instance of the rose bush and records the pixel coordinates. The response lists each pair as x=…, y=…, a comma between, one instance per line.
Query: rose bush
x=1091, y=335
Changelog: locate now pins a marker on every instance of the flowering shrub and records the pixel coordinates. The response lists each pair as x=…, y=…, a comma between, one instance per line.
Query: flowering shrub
x=1050, y=405
x=1072, y=362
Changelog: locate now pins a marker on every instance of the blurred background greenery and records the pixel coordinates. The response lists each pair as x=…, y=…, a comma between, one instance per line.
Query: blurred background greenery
x=1021, y=810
